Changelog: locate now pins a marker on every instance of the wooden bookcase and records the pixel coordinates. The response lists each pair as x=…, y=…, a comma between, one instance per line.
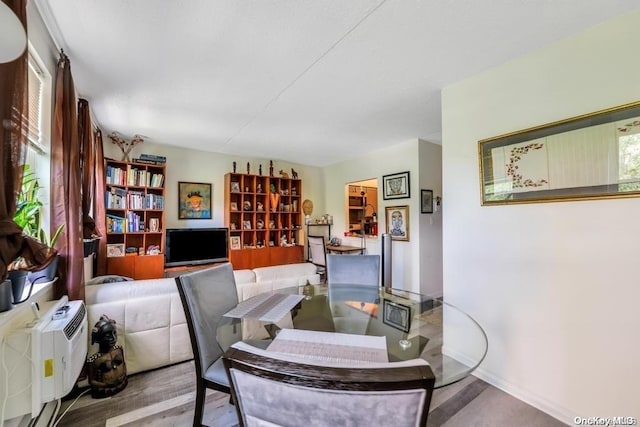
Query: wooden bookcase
x=134, y=203
x=264, y=216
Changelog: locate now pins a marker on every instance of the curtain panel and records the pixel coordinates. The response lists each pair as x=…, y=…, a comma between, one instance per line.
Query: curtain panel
x=99, y=210
x=32, y=254
x=66, y=199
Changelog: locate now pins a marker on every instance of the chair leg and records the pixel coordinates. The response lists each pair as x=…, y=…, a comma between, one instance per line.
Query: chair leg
x=201, y=394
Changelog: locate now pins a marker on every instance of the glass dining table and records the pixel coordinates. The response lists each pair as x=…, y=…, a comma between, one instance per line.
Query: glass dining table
x=414, y=325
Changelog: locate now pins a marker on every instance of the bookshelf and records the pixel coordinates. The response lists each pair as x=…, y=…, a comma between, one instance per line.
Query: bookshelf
x=264, y=216
x=134, y=203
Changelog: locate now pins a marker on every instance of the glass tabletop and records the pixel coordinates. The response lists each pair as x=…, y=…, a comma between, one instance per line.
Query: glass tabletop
x=414, y=325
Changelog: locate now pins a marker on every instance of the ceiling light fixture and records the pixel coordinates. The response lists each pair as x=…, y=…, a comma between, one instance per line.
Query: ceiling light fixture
x=13, y=38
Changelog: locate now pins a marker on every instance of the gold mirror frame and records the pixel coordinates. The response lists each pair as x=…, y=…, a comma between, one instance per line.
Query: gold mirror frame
x=593, y=156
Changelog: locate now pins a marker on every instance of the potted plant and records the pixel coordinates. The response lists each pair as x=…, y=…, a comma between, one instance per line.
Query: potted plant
x=28, y=216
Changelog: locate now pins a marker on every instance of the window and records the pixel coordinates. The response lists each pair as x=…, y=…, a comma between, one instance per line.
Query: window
x=39, y=127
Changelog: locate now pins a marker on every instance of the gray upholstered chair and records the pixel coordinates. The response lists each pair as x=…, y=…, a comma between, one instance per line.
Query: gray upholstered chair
x=206, y=295
x=353, y=270
x=318, y=254
x=272, y=389
x=353, y=281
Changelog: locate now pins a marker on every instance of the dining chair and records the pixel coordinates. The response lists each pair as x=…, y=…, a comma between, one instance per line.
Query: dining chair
x=352, y=282
x=275, y=389
x=206, y=295
x=318, y=254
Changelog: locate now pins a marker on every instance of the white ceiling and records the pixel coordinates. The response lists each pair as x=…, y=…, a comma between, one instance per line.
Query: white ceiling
x=307, y=81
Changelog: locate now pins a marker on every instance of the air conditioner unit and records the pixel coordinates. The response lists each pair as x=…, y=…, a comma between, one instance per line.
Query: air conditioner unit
x=60, y=347
x=58, y=350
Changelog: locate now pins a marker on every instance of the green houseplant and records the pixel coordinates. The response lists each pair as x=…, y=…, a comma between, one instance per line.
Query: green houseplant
x=28, y=216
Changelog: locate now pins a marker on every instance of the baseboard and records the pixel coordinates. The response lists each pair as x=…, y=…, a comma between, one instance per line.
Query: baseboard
x=551, y=408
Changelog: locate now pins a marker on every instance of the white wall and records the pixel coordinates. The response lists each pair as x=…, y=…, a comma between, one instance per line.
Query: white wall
x=200, y=166
x=430, y=240
x=555, y=285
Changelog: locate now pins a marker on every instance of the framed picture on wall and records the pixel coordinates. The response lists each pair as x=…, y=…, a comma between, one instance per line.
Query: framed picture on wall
x=396, y=186
x=235, y=242
x=426, y=201
x=194, y=200
x=398, y=222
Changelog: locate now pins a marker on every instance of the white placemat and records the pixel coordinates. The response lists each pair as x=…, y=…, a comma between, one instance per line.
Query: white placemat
x=265, y=307
x=330, y=346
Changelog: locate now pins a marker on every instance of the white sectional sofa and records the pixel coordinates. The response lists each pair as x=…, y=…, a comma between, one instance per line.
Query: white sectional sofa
x=150, y=321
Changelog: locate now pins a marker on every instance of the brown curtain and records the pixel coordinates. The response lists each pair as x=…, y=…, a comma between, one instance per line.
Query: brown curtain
x=99, y=210
x=87, y=162
x=66, y=199
x=13, y=145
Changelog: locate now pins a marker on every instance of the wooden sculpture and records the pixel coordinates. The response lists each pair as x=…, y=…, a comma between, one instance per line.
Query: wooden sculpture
x=125, y=146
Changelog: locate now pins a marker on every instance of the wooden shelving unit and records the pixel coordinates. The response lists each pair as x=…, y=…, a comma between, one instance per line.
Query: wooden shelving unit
x=264, y=216
x=134, y=203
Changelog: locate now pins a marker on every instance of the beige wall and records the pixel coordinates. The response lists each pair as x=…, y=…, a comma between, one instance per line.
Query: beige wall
x=555, y=285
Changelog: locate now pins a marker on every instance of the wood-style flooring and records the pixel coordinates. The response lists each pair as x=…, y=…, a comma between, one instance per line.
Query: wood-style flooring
x=165, y=397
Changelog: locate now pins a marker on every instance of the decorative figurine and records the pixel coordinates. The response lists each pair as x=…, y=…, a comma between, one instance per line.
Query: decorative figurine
x=248, y=168
x=106, y=369
x=270, y=167
x=260, y=169
x=259, y=207
x=234, y=166
x=259, y=188
x=283, y=174
x=246, y=205
x=294, y=174
x=125, y=146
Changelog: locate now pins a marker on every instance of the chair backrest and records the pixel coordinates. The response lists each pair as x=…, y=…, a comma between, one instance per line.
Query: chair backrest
x=206, y=295
x=353, y=270
x=271, y=390
x=317, y=250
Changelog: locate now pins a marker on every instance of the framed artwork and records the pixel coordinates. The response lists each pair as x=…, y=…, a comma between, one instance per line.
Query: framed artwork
x=397, y=222
x=235, y=242
x=426, y=201
x=235, y=187
x=115, y=250
x=194, y=200
x=396, y=315
x=396, y=186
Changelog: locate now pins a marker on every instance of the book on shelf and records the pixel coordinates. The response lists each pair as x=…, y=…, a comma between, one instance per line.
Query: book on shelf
x=115, y=198
x=116, y=224
x=153, y=157
x=148, y=162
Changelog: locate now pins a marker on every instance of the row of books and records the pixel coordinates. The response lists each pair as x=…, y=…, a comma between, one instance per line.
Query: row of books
x=133, y=177
x=151, y=159
x=129, y=224
x=119, y=198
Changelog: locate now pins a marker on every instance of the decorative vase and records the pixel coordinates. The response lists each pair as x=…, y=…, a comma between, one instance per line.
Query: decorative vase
x=18, y=282
x=274, y=198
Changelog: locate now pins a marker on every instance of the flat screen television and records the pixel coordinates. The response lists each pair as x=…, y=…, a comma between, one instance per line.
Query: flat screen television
x=193, y=246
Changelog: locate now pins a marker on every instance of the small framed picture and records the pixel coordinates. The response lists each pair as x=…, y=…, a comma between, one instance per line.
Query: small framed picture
x=233, y=206
x=396, y=186
x=235, y=187
x=194, y=200
x=426, y=201
x=235, y=242
x=115, y=250
x=396, y=315
x=246, y=225
x=398, y=222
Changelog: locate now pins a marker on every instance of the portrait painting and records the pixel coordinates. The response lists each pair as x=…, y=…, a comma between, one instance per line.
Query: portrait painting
x=396, y=186
x=398, y=222
x=426, y=201
x=194, y=200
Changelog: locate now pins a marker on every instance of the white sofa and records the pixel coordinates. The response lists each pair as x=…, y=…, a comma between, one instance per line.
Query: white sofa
x=150, y=321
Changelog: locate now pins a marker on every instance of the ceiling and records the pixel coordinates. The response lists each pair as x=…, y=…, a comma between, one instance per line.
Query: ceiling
x=313, y=82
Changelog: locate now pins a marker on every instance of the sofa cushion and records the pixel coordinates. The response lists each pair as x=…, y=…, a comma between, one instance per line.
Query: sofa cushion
x=244, y=276
x=300, y=272
x=129, y=290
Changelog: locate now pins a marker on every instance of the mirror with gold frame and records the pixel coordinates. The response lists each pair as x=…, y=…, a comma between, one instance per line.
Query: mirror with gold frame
x=592, y=156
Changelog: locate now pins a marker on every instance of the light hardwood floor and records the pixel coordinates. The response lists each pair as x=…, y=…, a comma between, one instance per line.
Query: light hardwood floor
x=164, y=397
